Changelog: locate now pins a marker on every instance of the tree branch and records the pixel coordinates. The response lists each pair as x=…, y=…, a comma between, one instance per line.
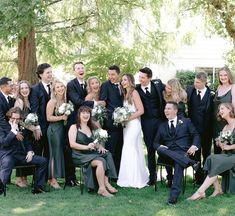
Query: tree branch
x=54, y=2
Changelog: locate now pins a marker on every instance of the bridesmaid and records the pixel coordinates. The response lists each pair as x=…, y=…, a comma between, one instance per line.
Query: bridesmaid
x=93, y=89
x=225, y=93
x=22, y=101
x=55, y=133
x=175, y=92
x=94, y=155
x=221, y=164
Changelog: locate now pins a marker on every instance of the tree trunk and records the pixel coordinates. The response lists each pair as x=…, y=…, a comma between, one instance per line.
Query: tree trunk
x=27, y=61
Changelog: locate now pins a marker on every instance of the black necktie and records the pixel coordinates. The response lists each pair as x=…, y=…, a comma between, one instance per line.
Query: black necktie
x=82, y=85
x=49, y=90
x=172, y=128
x=117, y=87
x=147, y=91
x=9, y=99
x=199, y=95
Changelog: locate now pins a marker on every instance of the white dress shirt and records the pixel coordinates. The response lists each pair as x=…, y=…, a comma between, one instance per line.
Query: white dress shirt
x=149, y=87
x=203, y=92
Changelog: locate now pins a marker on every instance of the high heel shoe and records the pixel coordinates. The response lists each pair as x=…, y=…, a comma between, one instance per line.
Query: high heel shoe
x=197, y=196
x=216, y=193
x=105, y=194
x=111, y=189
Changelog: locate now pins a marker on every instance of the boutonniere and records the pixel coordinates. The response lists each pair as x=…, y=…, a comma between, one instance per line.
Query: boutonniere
x=155, y=82
x=180, y=122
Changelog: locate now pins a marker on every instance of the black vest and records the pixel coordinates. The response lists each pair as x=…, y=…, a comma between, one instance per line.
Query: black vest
x=198, y=110
x=151, y=104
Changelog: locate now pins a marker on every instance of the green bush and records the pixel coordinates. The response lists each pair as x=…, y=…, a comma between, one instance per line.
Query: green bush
x=185, y=77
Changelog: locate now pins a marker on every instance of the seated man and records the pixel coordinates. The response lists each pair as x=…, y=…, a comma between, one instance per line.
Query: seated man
x=15, y=149
x=176, y=140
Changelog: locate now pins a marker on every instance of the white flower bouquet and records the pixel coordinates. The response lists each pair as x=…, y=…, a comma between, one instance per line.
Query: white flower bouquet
x=65, y=109
x=99, y=113
x=101, y=136
x=225, y=137
x=121, y=115
x=31, y=119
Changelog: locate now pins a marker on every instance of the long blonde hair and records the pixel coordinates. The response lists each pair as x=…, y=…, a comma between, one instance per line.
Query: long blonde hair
x=178, y=94
x=89, y=83
x=53, y=95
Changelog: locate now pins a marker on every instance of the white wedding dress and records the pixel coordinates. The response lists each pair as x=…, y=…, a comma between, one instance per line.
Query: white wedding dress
x=133, y=172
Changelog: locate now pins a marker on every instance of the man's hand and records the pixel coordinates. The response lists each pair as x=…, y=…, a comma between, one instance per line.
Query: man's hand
x=29, y=156
x=192, y=150
x=19, y=136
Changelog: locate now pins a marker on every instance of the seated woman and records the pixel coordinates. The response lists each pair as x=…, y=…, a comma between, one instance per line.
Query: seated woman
x=94, y=155
x=221, y=164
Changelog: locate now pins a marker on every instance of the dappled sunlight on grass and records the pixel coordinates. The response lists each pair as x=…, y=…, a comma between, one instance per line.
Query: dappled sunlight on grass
x=223, y=211
x=35, y=207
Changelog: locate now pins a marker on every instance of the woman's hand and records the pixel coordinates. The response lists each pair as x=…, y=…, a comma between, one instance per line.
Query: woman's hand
x=91, y=146
x=101, y=149
x=226, y=147
x=64, y=117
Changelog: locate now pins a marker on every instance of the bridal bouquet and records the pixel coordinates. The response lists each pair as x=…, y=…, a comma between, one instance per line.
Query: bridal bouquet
x=225, y=137
x=121, y=115
x=99, y=113
x=31, y=119
x=101, y=136
x=65, y=109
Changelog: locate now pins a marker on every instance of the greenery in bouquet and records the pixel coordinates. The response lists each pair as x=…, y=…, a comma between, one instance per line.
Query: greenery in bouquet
x=225, y=137
x=65, y=109
x=121, y=115
x=99, y=113
x=100, y=136
x=31, y=119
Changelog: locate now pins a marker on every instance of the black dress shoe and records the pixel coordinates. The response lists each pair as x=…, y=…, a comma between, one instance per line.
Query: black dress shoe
x=169, y=183
x=151, y=183
x=2, y=187
x=38, y=190
x=72, y=183
x=171, y=201
x=196, y=166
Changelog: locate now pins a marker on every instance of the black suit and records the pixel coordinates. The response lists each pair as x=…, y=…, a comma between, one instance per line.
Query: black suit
x=150, y=120
x=38, y=102
x=178, y=144
x=4, y=107
x=13, y=152
x=111, y=95
x=201, y=115
x=76, y=94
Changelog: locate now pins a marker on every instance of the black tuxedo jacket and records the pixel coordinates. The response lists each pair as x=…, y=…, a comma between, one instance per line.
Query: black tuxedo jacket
x=10, y=145
x=4, y=107
x=38, y=102
x=159, y=87
x=76, y=95
x=208, y=114
x=185, y=136
x=113, y=99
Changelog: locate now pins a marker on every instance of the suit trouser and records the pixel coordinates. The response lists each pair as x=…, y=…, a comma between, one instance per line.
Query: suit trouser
x=149, y=128
x=8, y=161
x=114, y=145
x=180, y=163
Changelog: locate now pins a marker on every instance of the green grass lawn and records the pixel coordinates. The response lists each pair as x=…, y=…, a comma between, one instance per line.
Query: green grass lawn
x=127, y=202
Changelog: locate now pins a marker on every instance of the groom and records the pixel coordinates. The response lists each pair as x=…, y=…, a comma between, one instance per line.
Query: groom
x=110, y=92
x=151, y=95
x=176, y=141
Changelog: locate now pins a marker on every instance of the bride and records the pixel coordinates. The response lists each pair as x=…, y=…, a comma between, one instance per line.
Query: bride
x=132, y=172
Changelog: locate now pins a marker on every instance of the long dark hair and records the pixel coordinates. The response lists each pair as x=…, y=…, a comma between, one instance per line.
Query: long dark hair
x=90, y=123
x=128, y=96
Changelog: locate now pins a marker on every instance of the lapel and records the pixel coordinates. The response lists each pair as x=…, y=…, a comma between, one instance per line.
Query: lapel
x=43, y=91
x=79, y=88
x=4, y=100
x=178, y=125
